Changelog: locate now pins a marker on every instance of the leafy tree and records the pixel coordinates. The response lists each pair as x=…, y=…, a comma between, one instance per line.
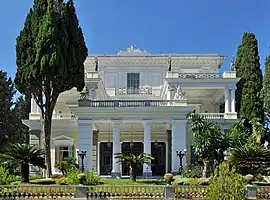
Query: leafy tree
x=227, y=184
x=67, y=165
x=21, y=155
x=50, y=55
x=134, y=161
x=238, y=134
x=248, y=101
x=7, y=92
x=208, y=141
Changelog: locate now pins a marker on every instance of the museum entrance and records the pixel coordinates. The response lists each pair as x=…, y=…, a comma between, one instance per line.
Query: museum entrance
x=105, y=161
x=136, y=148
x=158, y=151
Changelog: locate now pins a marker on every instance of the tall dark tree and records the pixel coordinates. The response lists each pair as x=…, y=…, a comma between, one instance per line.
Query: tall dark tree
x=50, y=54
x=7, y=92
x=266, y=86
x=249, y=103
x=21, y=110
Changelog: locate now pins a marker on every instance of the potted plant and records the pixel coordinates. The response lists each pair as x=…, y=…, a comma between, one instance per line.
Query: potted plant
x=168, y=178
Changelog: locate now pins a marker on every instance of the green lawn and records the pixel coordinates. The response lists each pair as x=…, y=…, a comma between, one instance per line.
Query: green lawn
x=129, y=182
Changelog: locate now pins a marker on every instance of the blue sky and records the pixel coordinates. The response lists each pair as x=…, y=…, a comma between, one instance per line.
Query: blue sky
x=167, y=26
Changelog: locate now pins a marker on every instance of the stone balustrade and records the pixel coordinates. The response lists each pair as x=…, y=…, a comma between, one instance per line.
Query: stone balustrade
x=118, y=192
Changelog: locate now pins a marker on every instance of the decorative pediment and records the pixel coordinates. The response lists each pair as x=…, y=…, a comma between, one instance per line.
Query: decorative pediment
x=62, y=137
x=133, y=49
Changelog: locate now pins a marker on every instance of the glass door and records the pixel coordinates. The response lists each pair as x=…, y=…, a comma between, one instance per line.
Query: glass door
x=158, y=151
x=136, y=149
x=105, y=158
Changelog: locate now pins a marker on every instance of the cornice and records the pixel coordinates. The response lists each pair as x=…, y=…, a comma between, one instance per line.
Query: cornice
x=217, y=61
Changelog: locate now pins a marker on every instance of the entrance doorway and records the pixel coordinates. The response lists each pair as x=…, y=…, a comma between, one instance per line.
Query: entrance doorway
x=105, y=161
x=136, y=149
x=158, y=151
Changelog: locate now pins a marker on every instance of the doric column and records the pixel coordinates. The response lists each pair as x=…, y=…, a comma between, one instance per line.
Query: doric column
x=227, y=100
x=179, y=143
x=147, y=172
x=34, y=106
x=171, y=92
x=233, y=100
x=116, y=166
x=85, y=142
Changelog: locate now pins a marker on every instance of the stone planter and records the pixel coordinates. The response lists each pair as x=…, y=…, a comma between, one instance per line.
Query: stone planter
x=168, y=178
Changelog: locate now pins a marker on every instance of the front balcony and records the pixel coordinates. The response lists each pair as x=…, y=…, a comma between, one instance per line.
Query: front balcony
x=134, y=91
x=150, y=103
x=61, y=116
x=200, y=76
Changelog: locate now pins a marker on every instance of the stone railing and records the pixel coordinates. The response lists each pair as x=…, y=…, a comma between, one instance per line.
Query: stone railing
x=123, y=192
x=180, y=75
x=134, y=91
x=262, y=192
x=125, y=103
x=36, y=191
x=190, y=192
x=118, y=192
x=63, y=116
x=211, y=115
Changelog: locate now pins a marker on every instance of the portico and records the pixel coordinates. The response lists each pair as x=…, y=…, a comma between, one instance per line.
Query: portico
x=149, y=126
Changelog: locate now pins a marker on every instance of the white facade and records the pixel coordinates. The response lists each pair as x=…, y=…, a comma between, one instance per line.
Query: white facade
x=141, y=99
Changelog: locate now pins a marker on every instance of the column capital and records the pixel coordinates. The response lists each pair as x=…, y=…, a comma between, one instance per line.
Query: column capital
x=147, y=121
x=115, y=123
x=179, y=121
x=85, y=122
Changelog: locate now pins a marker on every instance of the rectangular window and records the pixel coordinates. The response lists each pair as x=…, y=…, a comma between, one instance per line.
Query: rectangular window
x=133, y=83
x=62, y=152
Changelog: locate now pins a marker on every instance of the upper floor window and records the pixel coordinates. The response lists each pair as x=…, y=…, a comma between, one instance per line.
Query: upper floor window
x=133, y=83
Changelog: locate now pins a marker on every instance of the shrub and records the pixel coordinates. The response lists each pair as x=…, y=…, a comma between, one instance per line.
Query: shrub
x=5, y=177
x=226, y=184
x=43, y=181
x=72, y=178
x=57, y=176
x=91, y=179
x=67, y=165
x=192, y=172
x=61, y=181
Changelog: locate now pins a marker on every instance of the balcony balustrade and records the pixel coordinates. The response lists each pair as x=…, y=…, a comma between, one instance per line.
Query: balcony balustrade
x=194, y=75
x=179, y=75
x=134, y=91
x=63, y=116
x=128, y=103
x=211, y=115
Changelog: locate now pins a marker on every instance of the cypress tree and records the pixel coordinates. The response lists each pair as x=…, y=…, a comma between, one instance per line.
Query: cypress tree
x=7, y=117
x=265, y=93
x=50, y=55
x=249, y=102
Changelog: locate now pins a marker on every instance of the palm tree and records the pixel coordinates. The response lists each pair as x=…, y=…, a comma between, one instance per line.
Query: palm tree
x=250, y=158
x=208, y=141
x=134, y=161
x=21, y=156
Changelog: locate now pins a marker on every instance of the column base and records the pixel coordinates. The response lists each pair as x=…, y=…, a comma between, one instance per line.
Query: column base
x=175, y=173
x=116, y=175
x=147, y=174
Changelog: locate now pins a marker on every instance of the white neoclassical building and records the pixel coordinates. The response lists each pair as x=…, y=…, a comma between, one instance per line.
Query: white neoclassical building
x=135, y=101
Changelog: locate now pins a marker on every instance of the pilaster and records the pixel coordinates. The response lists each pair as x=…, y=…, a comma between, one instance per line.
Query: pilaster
x=147, y=172
x=85, y=142
x=179, y=143
x=116, y=166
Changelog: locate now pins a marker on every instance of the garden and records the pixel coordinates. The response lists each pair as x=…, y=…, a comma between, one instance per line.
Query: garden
x=227, y=162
